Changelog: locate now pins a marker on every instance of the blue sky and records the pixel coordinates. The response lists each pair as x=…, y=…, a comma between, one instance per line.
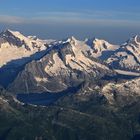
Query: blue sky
x=113, y=20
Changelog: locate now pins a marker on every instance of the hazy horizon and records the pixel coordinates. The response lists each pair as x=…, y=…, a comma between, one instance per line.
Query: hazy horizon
x=114, y=21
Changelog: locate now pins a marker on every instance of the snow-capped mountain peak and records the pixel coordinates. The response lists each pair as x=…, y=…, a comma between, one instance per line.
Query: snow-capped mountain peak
x=14, y=45
x=71, y=40
x=16, y=34
x=17, y=39
x=133, y=45
x=74, y=45
x=100, y=47
x=135, y=40
x=127, y=56
x=9, y=35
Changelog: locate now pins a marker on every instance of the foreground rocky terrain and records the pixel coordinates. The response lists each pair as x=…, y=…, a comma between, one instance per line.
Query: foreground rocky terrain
x=83, y=116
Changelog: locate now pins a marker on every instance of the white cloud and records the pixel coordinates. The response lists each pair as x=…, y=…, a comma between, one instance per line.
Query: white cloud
x=89, y=14
x=11, y=19
x=94, y=18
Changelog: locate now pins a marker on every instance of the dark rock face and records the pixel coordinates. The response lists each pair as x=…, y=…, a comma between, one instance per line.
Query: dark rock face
x=2, y=41
x=7, y=36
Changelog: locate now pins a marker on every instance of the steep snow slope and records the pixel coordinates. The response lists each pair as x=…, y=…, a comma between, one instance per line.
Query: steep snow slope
x=77, y=58
x=14, y=45
x=127, y=57
x=124, y=57
x=101, y=48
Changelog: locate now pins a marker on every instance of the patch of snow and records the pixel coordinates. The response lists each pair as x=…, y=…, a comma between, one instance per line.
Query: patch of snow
x=39, y=79
x=127, y=72
x=55, y=68
x=4, y=100
x=17, y=101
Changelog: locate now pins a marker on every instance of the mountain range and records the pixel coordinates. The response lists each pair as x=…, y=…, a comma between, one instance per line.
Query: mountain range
x=63, y=63
x=93, y=80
